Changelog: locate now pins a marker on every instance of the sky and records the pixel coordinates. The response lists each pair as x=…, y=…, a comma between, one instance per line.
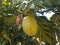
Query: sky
x=48, y=15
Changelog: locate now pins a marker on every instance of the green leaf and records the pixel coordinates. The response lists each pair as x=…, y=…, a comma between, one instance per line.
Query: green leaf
x=34, y=42
x=1, y=39
x=11, y=19
x=56, y=20
x=55, y=2
x=38, y=3
x=46, y=3
x=6, y=36
x=5, y=42
x=46, y=31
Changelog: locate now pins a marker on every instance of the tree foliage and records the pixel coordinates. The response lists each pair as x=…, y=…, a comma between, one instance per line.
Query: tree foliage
x=11, y=34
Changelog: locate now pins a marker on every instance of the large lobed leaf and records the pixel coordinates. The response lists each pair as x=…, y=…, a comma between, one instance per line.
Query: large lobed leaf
x=56, y=20
x=46, y=31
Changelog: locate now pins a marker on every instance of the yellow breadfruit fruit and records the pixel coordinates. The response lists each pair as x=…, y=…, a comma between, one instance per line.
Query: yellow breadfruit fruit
x=30, y=26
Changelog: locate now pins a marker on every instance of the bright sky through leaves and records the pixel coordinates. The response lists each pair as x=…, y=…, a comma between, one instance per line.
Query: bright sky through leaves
x=48, y=15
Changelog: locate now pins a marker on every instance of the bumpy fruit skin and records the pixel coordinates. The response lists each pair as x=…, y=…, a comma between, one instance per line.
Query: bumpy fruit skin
x=30, y=26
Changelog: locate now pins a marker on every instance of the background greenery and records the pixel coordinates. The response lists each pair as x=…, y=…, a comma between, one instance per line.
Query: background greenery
x=10, y=34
